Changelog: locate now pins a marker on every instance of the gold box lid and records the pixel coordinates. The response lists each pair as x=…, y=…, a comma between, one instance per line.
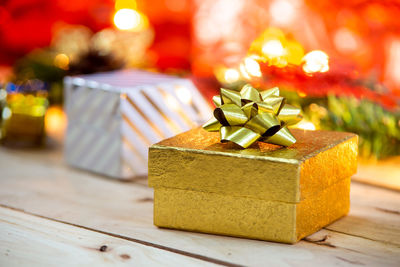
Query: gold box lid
x=197, y=160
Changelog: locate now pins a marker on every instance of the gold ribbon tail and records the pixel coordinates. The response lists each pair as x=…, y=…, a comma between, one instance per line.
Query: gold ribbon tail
x=283, y=137
x=212, y=125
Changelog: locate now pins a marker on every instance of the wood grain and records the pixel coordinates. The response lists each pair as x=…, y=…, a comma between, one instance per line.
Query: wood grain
x=374, y=214
x=27, y=240
x=38, y=182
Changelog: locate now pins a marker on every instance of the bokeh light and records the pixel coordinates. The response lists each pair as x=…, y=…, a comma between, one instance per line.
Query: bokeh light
x=61, y=61
x=315, y=61
x=345, y=41
x=306, y=125
x=130, y=20
x=183, y=94
x=55, y=122
x=273, y=49
x=231, y=75
x=283, y=11
x=252, y=67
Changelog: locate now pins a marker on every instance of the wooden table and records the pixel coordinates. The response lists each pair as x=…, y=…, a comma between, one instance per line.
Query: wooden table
x=53, y=215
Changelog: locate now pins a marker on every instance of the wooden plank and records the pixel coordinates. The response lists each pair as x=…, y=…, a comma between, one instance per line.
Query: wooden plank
x=45, y=186
x=375, y=214
x=32, y=241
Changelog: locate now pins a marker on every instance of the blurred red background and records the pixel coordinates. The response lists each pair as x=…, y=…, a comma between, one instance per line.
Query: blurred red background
x=200, y=35
x=29, y=24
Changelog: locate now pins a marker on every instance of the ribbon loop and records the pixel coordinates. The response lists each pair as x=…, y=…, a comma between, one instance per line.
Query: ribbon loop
x=290, y=115
x=263, y=123
x=217, y=100
x=270, y=92
x=247, y=116
x=230, y=97
x=263, y=107
x=239, y=135
x=276, y=102
x=250, y=109
x=230, y=114
x=250, y=94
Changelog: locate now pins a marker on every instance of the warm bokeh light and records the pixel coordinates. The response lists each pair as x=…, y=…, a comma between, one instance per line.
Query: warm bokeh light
x=302, y=94
x=71, y=41
x=231, y=75
x=276, y=48
x=306, y=125
x=62, y=61
x=345, y=41
x=55, y=122
x=252, y=67
x=243, y=72
x=273, y=49
x=171, y=102
x=282, y=11
x=183, y=94
x=393, y=62
x=315, y=61
x=130, y=20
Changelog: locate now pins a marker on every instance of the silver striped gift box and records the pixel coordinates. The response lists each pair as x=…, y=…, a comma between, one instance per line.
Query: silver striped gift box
x=114, y=117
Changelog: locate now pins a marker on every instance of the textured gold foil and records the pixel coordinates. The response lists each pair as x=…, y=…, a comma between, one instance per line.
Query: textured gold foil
x=247, y=116
x=264, y=192
x=197, y=160
x=250, y=217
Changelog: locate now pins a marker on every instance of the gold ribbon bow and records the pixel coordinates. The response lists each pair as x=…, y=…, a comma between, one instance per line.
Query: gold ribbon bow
x=249, y=115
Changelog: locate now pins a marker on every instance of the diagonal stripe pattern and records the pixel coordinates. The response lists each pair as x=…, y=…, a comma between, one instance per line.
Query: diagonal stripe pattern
x=114, y=117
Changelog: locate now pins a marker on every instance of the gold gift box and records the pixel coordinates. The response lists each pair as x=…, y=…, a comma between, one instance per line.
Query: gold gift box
x=265, y=192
